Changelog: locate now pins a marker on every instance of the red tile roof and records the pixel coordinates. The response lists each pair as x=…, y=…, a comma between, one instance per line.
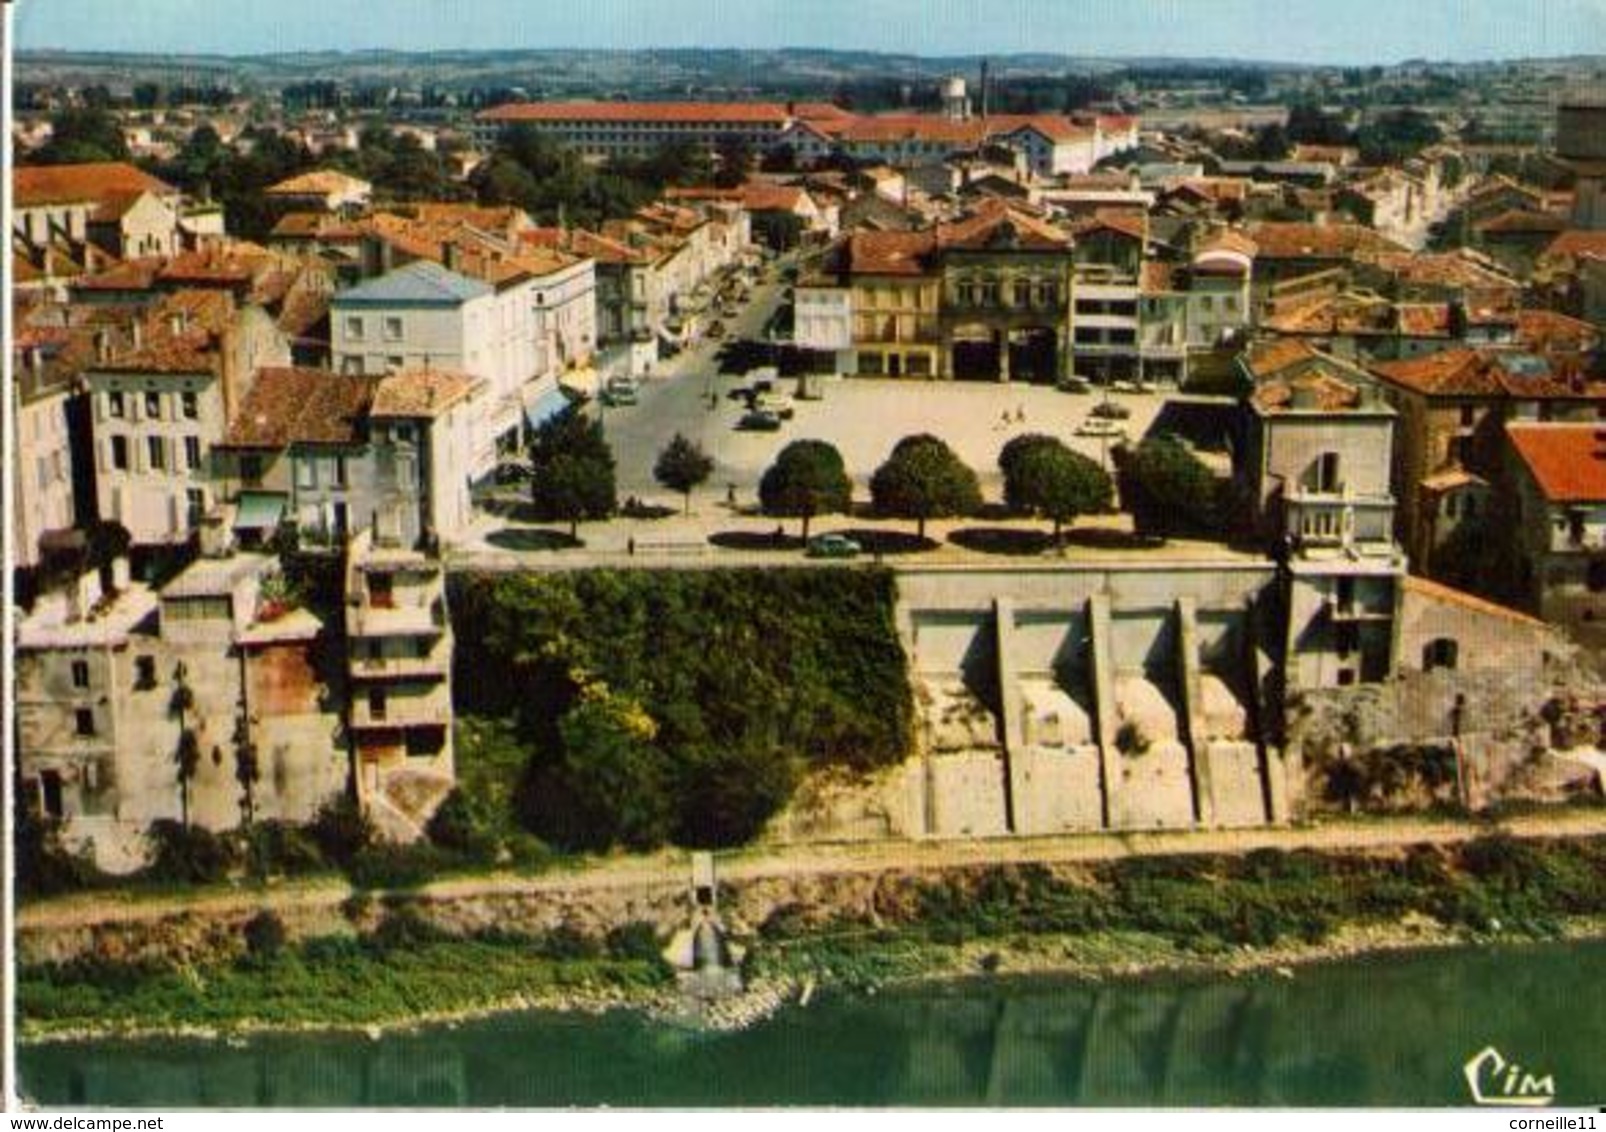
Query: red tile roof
x=35, y=185
x=1546, y=332
x=421, y=393
x=1567, y=462
x=1438, y=592
x=1290, y=240
x=671, y=112
x=289, y=405
x=1576, y=242
x=890, y=253
x=1522, y=221
x=320, y=182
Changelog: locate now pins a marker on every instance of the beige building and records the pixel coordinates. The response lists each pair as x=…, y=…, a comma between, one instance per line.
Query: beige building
x=1317, y=466
x=159, y=407
x=399, y=657
x=108, y=683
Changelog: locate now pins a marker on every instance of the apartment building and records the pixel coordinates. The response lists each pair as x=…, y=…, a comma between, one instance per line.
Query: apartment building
x=160, y=406
x=111, y=680
x=1555, y=501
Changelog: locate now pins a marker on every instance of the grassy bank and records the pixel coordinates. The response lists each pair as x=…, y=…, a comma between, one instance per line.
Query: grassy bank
x=1197, y=912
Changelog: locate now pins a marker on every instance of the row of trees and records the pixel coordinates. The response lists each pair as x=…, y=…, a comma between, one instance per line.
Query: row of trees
x=1163, y=482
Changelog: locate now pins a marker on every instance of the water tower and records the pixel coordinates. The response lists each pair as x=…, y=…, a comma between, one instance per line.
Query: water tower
x=955, y=99
x=1581, y=143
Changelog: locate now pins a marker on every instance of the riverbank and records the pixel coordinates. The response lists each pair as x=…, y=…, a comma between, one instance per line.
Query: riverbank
x=412, y=964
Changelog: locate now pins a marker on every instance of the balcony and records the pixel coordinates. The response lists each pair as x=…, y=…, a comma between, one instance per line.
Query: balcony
x=396, y=621
x=432, y=710
x=431, y=667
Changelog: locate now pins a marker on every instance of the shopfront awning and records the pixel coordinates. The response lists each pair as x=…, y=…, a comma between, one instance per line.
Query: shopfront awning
x=259, y=511
x=545, y=407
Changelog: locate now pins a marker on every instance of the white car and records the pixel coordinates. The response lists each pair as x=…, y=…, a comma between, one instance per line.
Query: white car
x=1123, y=387
x=1098, y=426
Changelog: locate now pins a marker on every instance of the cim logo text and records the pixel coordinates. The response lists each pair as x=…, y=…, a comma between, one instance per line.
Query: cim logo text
x=1497, y=1081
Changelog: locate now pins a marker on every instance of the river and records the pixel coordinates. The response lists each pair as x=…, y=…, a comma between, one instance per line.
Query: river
x=1385, y=1030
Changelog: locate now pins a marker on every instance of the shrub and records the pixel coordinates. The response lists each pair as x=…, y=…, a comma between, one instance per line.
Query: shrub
x=186, y=855
x=402, y=928
x=278, y=848
x=1130, y=739
x=567, y=942
x=264, y=936
x=386, y=865
x=635, y=940
x=460, y=825
x=341, y=830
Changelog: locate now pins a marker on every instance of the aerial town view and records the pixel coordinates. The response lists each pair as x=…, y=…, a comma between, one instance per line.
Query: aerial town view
x=885, y=554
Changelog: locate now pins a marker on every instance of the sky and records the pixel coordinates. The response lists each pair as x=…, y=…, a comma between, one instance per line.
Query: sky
x=1312, y=31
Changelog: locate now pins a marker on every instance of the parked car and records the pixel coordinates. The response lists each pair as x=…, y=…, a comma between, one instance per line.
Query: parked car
x=778, y=403
x=1075, y=385
x=620, y=391
x=833, y=546
x=759, y=420
x=1111, y=411
x=1098, y=426
x=1124, y=386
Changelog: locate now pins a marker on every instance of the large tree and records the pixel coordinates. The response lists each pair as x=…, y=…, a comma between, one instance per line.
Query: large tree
x=807, y=479
x=82, y=134
x=924, y=479
x=1050, y=480
x=683, y=466
x=1168, y=489
x=572, y=470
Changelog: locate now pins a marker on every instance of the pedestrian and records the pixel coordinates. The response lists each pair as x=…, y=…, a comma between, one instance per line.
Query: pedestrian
x=730, y=494
x=630, y=545
x=1020, y=413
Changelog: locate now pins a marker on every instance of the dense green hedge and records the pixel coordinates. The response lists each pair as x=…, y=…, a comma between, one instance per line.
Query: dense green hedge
x=678, y=705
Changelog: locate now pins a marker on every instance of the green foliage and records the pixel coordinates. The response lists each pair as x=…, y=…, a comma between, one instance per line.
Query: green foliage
x=923, y=479
x=745, y=678
x=43, y=866
x=385, y=865
x=572, y=470
x=341, y=830
x=683, y=466
x=568, y=942
x=611, y=784
x=635, y=940
x=1396, y=136
x=278, y=848
x=186, y=854
x=807, y=479
x=1396, y=777
x=463, y=825
x=1046, y=478
x=264, y=936
x=1168, y=489
x=82, y=134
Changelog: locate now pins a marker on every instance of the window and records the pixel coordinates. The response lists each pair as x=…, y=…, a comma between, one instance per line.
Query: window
x=144, y=673
x=156, y=450
x=1326, y=469
x=153, y=406
x=1023, y=294
x=84, y=721
x=338, y=479
x=354, y=329
x=194, y=505
x=120, y=453
x=393, y=329
x=192, y=453
x=115, y=405
x=50, y=791
x=394, y=363
x=376, y=703
x=189, y=406
x=1469, y=415
x=251, y=469
x=80, y=674
x=381, y=591
x=306, y=472
x=1441, y=652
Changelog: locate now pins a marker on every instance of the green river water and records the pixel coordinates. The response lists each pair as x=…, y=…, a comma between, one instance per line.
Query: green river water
x=1385, y=1030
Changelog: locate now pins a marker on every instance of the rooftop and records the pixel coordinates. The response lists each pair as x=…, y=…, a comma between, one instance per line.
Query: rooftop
x=217, y=577
x=424, y=281
x=302, y=406
x=1567, y=461
x=421, y=393
x=98, y=181
x=677, y=112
